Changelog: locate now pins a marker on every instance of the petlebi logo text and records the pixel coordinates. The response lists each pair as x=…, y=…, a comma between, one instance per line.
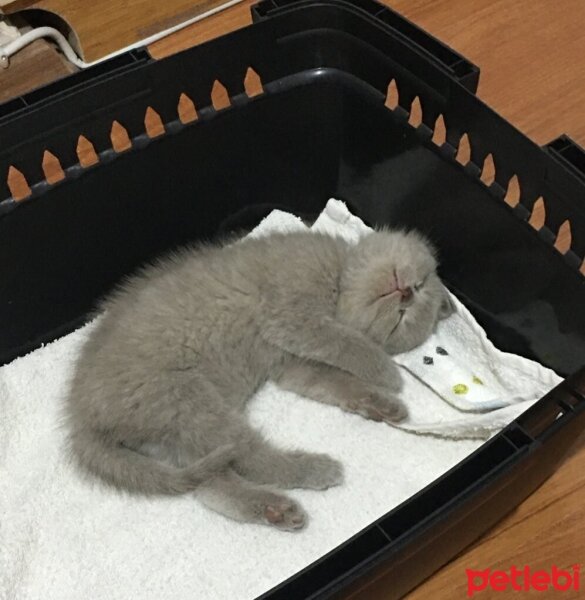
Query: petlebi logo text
x=523, y=579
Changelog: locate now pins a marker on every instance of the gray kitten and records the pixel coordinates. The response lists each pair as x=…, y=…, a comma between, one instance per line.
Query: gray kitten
x=157, y=402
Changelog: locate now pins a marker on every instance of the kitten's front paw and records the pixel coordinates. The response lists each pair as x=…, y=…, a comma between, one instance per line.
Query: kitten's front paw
x=392, y=378
x=379, y=408
x=382, y=372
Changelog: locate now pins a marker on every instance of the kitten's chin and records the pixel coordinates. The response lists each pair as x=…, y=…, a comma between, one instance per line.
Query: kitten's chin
x=391, y=348
x=404, y=339
x=394, y=345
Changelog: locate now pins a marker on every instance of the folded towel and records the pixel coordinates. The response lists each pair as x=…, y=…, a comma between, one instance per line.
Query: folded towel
x=463, y=367
x=64, y=539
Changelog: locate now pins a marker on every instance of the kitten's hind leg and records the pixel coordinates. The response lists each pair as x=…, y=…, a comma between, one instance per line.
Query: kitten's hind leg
x=339, y=388
x=232, y=496
x=265, y=463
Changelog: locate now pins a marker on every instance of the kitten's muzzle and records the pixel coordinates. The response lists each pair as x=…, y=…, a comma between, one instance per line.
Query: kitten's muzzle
x=398, y=288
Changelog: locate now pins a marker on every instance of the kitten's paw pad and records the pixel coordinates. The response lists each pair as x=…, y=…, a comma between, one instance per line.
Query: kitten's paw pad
x=285, y=515
x=322, y=472
x=379, y=408
x=396, y=412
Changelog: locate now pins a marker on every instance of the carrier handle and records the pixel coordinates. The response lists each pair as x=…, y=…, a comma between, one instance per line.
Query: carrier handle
x=563, y=403
x=569, y=154
x=454, y=64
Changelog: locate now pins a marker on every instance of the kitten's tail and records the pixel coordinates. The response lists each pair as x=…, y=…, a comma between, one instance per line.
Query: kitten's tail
x=126, y=469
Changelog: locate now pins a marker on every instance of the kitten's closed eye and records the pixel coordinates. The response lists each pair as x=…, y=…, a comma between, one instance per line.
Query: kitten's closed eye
x=419, y=286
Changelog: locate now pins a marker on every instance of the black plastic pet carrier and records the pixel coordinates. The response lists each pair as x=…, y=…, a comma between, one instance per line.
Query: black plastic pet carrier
x=333, y=98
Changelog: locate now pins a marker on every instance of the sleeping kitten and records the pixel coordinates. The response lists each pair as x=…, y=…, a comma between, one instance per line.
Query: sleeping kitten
x=157, y=402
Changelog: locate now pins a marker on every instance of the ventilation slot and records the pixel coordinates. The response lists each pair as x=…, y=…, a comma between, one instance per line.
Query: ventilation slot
x=416, y=113
x=17, y=184
x=52, y=168
x=86, y=152
x=513, y=194
x=464, y=150
x=564, y=238
x=120, y=139
x=488, y=171
x=186, y=109
x=392, y=95
x=219, y=96
x=440, y=131
x=253, y=83
x=538, y=216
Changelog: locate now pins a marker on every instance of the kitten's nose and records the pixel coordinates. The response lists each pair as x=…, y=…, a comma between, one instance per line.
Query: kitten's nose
x=406, y=294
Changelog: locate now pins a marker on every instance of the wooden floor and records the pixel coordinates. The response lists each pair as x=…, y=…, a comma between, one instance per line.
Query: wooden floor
x=531, y=55
x=107, y=26
x=33, y=66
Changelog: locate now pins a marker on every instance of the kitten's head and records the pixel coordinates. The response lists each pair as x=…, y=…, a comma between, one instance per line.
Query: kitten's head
x=390, y=290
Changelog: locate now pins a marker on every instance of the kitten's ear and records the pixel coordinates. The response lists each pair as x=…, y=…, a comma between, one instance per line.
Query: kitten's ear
x=447, y=307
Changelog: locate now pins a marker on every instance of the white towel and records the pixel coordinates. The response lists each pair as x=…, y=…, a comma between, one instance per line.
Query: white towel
x=63, y=539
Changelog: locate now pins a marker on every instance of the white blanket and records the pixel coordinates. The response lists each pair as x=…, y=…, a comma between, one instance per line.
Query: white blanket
x=63, y=539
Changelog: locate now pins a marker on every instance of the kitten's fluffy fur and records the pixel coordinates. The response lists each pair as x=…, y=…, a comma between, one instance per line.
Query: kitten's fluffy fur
x=157, y=403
